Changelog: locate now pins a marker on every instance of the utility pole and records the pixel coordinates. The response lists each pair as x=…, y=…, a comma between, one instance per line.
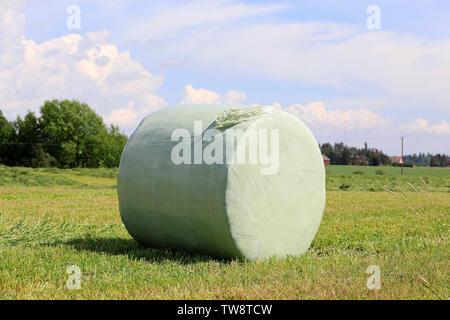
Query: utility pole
x=402, y=154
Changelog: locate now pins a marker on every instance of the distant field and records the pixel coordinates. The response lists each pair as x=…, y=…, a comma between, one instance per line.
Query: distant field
x=364, y=178
x=417, y=171
x=79, y=177
x=51, y=219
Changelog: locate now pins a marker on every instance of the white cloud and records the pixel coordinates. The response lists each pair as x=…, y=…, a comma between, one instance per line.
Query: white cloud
x=234, y=97
x=422, y=126
x=277, y=105
x=316, y=115
x=403, y=70
x=199, y=96
x=130, y=116
x=122, y=117
x=356, y=126
x=203, y=96
x=87, y=68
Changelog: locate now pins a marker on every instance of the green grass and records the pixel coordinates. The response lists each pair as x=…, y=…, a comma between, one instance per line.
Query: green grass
x=417, y=171
x=363, y=178
x=30, y=177
x=93, y=172
x=375, y=182
x=46, y=228
x=78, y=177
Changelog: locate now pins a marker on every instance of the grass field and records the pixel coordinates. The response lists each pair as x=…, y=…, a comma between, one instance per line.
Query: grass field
x=417, y=171
x=363, y=178
x=51, y=219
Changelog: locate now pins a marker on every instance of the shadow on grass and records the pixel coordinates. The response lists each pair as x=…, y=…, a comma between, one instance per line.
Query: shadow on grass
x=134, y=251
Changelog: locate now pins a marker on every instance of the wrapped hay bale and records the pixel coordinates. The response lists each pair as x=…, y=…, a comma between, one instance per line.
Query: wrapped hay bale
x=224, y=180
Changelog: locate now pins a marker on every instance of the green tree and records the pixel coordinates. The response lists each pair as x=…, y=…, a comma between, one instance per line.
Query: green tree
x=72, y=133
x=438, y=160
x=29, y=150
x=113, y=147
x=374, y=159
x=67, y=134
x=27, y=137
x=7, y=137
x=327, y=150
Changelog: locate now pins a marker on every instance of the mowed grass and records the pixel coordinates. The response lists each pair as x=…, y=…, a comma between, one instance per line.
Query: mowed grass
x=415, y=171
x=364, y=178
x=44, y=229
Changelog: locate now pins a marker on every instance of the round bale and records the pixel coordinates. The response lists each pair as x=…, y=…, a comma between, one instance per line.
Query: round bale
x=231, y=181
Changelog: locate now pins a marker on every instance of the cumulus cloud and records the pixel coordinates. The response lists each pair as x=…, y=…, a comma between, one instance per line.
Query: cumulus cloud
x=122, y=117
x=131, y=115
x=422, y=126
x=404, y=70
x=203, y=96
x=85, y=67
x=198, y=96
x=277, y=105
x=317, y=115
x=234, y=97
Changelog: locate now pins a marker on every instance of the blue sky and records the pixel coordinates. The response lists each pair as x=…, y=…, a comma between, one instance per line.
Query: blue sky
x=317, y=60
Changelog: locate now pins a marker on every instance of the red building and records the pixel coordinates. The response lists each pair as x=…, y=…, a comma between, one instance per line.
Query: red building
x=326, y=160
x=397, y=159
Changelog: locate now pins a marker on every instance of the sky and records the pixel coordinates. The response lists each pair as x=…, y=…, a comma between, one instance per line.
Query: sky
x=352, y=71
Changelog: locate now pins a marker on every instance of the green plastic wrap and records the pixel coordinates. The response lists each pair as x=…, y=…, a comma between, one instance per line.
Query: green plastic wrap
x=230, y=209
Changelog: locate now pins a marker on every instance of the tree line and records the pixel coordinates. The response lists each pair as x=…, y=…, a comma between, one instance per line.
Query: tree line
x=66, y=134
x=345, y=155
x=428, y=159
